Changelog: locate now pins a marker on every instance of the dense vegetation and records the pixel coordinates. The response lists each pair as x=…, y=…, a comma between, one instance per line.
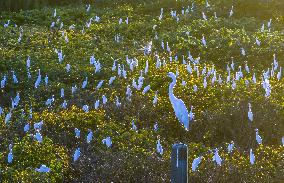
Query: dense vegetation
x=220, y=108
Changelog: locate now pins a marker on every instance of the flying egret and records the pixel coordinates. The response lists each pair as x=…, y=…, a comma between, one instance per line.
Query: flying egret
x=160, y=149
x=89, y=136
x=107, y=141
x=77, y=154
x=258, y=137
x=180, y=109
x=195, y=163
x=43, y=169
x=251, y=157
x=217, y=158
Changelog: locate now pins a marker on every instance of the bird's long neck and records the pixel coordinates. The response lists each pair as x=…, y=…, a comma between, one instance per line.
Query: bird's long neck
x=171, y=88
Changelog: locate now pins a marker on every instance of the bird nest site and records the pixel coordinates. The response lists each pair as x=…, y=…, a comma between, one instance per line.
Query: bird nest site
x=100, y=91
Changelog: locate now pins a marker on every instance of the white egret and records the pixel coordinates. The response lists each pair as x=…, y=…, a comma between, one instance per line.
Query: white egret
x=77, y=133
x=15, y=80
x=156, y=127
x=107, y=141
x=204, y=16
x=8, y=117
x=146, y=89
x=85, y=108
x=251, y=157
x=68, y=67
x=250, y=114
x=97, y=104
x=89, y=136
x=282, y=141
x=180, y=109
x=230, y=147
x=111, y=80
x=160, y=149
x=50, y=101
x=85, y=82
x=104, y=99
x=27, y=127
x=77, y=154
x=100, y=84
x=43, y=169
x=257, y=42
x=203, y=41
x=231, y=11
x=134, y=127
x=10, y=155
x=217, y=158
x=279, y=74
x=155, y=100
x=243, y=52
x=117, y=103
x=258, y=137
x=37, y=83
x=37, y=126
x=46, y=80
x=195, y=163
x=38, y=137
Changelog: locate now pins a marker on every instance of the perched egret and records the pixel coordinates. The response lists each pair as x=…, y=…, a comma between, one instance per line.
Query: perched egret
x=251, y=157
x=156, y=127
x=43, y=169
x=77, y=154
x=8, y=117
x=77, y=133
x=27, y=127
x=107, y=141
x=217, y=158
x=89, y=136
x=230, y=147
x=10, y=155
x=155, y=100
x=111, y=80
x=160, y=149
x=195, y=163
x=38, y=137
x=250, y=114
x=258, y=137
x=134, y=127
x=146, y=89
x=37, y=126
x=85, y=82
x=178, y=105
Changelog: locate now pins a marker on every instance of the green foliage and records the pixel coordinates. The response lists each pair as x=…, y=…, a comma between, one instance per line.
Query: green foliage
x=220, y=111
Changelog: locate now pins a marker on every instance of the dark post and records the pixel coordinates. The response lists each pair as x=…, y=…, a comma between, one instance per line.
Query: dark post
x=179, y=163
